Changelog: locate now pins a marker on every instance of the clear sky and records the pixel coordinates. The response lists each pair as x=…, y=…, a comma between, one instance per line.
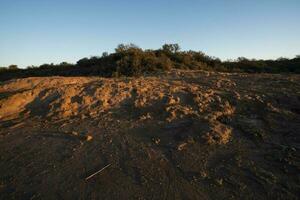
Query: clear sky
x=33, y=32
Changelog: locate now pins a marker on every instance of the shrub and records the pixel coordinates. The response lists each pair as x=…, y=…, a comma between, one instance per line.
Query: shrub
x=131, y=60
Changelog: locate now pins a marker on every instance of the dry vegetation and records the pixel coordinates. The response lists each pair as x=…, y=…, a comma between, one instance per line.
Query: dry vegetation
x=176, y=135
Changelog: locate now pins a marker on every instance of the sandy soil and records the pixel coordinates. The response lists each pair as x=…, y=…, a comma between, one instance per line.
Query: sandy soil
x=179, y=135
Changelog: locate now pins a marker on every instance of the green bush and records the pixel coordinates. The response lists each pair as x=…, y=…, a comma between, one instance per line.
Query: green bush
x=131, y=60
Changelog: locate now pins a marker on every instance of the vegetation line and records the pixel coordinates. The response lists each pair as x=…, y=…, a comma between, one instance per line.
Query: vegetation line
x=131, y=60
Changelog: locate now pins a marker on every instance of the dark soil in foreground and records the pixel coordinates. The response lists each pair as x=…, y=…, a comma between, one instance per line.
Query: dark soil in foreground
x=180, y=135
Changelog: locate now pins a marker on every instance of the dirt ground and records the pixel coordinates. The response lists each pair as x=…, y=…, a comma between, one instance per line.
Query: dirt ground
x=178, y=135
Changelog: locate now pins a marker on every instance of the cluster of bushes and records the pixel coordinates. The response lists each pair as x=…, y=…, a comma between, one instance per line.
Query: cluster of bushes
x=281, y=65
x=130, y=60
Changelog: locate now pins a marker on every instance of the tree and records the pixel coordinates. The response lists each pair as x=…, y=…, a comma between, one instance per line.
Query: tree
x=171, y=48
x=282, y=59
x=13, y=67
x=125, y=47
x=65, y=64
x=176, y=48
x=32, y=67
x=105, y=54
x=84, y=62
x=242, y=59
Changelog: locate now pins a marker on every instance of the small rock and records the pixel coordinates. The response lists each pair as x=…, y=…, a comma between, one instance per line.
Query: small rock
x=89, y=138
x=219, y=181
x=203, y=174
x=157, y=141
x=181, y=146
x=75, y=133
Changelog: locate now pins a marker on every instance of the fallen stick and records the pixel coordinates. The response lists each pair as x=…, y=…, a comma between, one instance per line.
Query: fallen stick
x=97, y=172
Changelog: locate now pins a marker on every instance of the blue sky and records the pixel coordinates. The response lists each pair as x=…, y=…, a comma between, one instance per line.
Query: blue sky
x=33, y=32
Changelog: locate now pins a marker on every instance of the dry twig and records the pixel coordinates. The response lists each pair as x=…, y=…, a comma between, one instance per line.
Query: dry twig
x=97, y=172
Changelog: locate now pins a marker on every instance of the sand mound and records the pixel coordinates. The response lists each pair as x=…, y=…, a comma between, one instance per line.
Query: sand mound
x=157, y=98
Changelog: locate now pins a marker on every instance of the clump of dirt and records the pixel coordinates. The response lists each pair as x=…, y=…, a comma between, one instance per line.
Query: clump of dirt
x=176, y=135
x=219, y=134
